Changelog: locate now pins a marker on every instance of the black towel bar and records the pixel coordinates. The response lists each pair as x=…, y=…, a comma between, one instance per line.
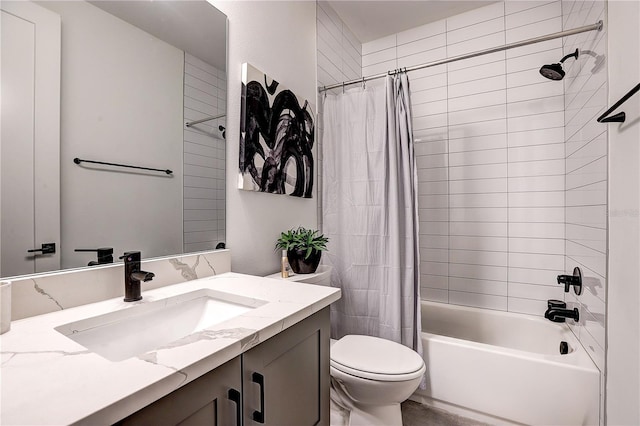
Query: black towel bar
x=78, y=161
x=619, y=117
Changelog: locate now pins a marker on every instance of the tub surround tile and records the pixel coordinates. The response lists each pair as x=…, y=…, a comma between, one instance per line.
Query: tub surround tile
x=537, y=245
x=537, y=89
x=552, y=47
x=477, y=300
x=468, y=285
x=536, y=29
x=532, y=276
x=527, y=306
x=534, y=14
x=477, y=143
x=434, y=294
x=540, y=199
x=586, y=165
x=418, y=59
x=479, y=243
x=42, y=370
x=479, y=72
x=479, y=214
x=519, y=6
x=475, y=16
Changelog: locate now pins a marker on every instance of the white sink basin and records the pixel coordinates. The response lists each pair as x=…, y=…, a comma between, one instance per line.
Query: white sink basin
x=144, y=327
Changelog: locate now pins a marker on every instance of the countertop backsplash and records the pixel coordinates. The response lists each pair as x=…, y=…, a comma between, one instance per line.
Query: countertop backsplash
x=54, y=291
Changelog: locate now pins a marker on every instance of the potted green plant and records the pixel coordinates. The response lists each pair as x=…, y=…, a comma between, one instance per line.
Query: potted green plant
x=304, y=248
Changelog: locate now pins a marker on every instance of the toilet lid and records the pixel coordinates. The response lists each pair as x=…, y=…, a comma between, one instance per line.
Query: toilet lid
x=375, y=355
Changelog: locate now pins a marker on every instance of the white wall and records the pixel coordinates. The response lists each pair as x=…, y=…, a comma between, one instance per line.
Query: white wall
x=112, y=110
x=489, y=135
x=623, y=304
x=278, y=38
x=205, y=95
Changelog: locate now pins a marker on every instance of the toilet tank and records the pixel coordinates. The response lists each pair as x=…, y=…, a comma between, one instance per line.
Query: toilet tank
x=322, y=276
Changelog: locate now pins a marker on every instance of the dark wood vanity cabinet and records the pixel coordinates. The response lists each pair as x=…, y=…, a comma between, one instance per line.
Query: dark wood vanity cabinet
x=282, y=381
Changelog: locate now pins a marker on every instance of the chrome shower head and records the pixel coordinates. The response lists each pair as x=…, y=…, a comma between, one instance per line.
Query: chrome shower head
x=555, y=71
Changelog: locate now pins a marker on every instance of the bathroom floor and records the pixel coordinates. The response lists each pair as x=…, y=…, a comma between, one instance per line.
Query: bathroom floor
x=415, y=414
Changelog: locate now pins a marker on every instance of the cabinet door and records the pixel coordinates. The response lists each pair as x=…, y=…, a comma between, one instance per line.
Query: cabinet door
x=212, y=399
x=286, y=378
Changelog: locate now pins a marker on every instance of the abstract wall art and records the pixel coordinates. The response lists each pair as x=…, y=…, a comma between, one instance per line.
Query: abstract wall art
x=276, y=137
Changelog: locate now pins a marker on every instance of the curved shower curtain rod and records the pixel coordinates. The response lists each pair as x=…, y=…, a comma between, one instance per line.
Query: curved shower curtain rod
x=594, y=27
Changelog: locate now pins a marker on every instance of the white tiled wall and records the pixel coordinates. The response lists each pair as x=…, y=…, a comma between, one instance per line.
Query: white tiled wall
x=204, y=156
x=585, y=96
x=339, y=59
x=489, y=137
x=339, y=51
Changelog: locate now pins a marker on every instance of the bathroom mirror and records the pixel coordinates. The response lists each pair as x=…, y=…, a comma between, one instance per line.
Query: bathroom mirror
x=134, y=75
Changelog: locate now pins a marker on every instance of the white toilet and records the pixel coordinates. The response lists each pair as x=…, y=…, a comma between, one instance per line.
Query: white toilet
x=370, y=376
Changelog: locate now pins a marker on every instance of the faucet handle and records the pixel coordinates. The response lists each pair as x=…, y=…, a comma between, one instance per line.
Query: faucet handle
x=131, y=256
x=574, y=280
x=105, y=255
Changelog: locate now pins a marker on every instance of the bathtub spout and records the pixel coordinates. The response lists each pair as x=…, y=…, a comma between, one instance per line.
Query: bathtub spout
x=560, y=315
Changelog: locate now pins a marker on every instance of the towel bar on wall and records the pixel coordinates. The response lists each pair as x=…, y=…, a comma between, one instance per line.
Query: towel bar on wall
x=621, y=116
x=191, y=123
x=78, y=161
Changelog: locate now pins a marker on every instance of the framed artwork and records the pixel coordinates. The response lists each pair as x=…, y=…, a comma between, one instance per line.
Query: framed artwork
x=276, y=137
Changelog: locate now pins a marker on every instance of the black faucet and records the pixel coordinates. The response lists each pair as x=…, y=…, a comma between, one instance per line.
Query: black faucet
x=133, y=275
x=105, y=255
x=557, y=312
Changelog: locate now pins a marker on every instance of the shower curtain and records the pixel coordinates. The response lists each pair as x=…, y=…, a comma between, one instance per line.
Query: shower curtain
x=370, y=212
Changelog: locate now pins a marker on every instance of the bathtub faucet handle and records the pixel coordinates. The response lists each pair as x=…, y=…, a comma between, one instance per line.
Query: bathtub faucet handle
x=574, y=280
x=566, y=280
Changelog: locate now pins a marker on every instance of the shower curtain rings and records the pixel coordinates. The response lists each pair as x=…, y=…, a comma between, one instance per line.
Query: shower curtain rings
x=343, y=87
x=364, y=85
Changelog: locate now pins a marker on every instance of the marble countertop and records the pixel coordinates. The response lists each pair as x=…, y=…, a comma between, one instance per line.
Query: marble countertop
x=47, y=378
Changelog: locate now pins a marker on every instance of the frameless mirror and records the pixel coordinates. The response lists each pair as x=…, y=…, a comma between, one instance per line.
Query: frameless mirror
x=142, y=87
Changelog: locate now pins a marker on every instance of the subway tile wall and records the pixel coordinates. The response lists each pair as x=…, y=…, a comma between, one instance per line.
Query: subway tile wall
x=339, y=59
x=585, y=98
x=489, y=135
x=204, y=156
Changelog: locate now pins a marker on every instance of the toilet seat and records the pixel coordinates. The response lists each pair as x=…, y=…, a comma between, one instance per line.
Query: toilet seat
x=374, y=358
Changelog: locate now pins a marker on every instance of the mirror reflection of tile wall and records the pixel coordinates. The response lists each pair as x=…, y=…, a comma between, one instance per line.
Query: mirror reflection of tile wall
x=204, y=156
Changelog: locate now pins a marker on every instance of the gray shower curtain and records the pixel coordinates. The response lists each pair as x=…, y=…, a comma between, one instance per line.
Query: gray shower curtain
x=370, y=212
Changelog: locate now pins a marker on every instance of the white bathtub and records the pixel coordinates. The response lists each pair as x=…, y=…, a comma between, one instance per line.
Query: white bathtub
x=505, y=368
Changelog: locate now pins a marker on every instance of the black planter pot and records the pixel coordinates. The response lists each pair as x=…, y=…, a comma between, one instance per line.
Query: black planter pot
x=300, y=265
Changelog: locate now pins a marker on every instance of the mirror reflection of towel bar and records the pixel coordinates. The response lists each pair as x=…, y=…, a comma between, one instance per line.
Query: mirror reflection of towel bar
x=191, y=123
x=78, y=161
